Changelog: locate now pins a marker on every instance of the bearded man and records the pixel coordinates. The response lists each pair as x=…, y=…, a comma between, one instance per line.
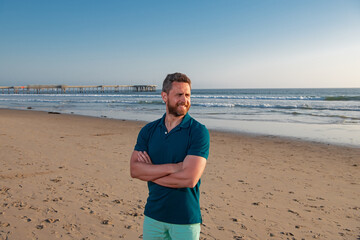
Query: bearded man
x=170, y=155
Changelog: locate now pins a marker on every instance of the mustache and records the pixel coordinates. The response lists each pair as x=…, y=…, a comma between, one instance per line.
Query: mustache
x=182, y=104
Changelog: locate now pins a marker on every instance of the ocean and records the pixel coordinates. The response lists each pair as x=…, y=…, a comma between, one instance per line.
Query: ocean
x=321, y=115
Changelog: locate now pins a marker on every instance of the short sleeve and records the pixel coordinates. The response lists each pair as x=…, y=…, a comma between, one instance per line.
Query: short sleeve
x=200, y=142
x=142, y=140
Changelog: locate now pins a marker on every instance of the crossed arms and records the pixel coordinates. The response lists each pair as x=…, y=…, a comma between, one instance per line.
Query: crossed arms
x=179, y=175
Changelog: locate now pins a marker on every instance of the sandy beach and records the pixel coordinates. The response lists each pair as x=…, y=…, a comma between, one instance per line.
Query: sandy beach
x=67, y=176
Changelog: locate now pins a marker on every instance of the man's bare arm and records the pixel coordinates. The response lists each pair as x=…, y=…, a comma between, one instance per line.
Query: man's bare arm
x=193, y=168
x=142, y=168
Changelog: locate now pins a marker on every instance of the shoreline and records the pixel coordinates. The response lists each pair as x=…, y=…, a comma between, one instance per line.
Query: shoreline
x=67, y=176
x=296, y=113
x=215, y=129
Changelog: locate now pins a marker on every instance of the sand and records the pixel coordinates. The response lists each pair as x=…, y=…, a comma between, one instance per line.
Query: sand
x=67, y=176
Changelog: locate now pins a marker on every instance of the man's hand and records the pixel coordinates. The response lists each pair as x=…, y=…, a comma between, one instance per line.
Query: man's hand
x=192, y=169
x=144, y=157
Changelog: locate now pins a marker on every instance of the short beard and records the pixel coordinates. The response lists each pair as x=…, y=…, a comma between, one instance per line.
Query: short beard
x=173, y=110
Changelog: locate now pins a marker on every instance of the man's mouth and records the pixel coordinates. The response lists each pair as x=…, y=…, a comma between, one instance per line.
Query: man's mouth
x=182, y=105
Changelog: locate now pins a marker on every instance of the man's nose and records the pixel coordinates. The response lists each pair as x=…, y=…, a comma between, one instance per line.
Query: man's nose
x=183, y=98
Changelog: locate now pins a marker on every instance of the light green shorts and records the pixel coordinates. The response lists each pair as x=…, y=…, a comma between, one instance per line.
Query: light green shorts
x=153, y=229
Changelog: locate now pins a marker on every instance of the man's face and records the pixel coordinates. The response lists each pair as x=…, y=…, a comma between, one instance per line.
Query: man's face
x=178, y=99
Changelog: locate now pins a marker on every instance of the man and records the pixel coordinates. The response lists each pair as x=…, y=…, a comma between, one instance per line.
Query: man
x=170, y=154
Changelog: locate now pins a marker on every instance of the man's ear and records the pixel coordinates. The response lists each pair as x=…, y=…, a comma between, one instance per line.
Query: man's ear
x=164, y=96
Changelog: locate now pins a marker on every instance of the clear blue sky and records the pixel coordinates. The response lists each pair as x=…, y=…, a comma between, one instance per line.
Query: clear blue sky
x=218, y=44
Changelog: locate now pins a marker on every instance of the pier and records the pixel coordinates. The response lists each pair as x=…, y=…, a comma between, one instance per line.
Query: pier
x=58, y=89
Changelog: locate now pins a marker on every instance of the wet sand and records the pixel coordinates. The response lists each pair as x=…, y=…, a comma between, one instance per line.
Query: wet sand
x=67, y=176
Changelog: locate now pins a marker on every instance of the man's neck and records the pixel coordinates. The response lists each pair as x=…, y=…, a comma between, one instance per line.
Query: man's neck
x=172, y=121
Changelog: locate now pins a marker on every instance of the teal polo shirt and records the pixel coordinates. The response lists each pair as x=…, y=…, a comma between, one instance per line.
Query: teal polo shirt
x=173, y=205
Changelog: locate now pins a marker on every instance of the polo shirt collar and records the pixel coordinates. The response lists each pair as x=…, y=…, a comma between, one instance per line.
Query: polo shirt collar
x=185, y=123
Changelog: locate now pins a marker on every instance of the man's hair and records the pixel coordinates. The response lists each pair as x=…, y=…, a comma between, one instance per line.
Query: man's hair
x=174, y=77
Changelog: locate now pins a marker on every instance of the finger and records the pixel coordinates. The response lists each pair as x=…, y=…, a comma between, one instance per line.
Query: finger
x=141, y=157
x=147, y=157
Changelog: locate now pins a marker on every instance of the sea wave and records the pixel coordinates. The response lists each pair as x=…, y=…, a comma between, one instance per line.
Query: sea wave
x=342, y=98
x=257, y=97
x=194, y=96
x=325, y=115
x=74, y=101
x=199, y=103
x=275, y=106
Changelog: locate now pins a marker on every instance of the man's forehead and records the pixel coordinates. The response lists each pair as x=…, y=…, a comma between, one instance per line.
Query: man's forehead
x=180, y=91
x=180, y=86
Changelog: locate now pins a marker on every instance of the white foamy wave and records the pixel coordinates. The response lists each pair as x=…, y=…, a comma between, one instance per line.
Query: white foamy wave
x=257, y=97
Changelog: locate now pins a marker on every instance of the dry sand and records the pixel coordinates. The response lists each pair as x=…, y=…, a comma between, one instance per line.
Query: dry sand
x=67, y=176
